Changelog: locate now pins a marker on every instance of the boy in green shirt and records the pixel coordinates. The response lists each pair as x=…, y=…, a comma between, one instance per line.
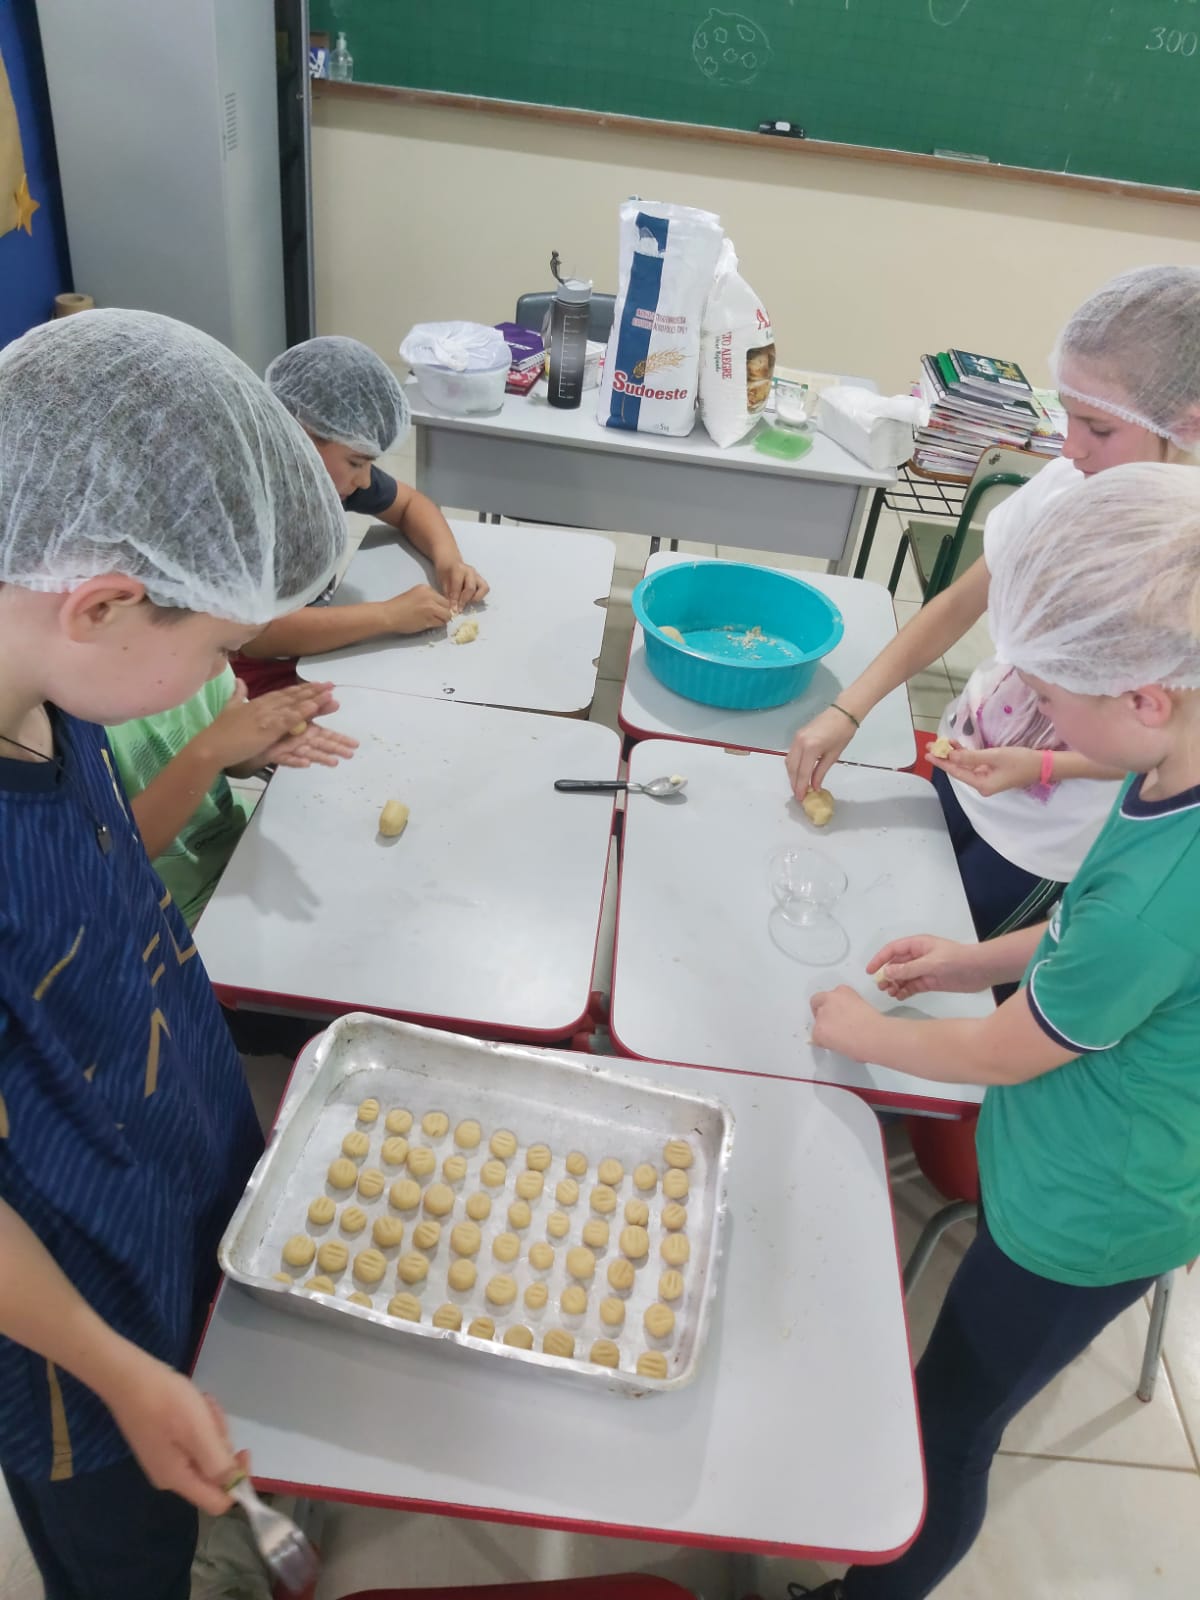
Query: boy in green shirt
x=1089, y=1136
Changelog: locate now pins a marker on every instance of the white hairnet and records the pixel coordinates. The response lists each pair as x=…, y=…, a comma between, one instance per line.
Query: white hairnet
x=1133, y=350
x=131, y=443
x=1101, y=593
x=341, y=390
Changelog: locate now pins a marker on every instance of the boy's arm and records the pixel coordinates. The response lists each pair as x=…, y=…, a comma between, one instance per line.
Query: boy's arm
x=315, y=629
x=423, y=525
x=177, y=1436
x=1016, y=767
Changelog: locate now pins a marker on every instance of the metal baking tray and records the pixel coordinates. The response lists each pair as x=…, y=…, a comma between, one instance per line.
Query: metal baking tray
x=543, y=1096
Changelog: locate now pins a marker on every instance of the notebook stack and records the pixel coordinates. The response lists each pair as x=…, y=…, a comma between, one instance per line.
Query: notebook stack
x=977, y=402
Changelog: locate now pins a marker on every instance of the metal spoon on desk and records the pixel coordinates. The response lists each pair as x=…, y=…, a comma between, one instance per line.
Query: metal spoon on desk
x=659, y=788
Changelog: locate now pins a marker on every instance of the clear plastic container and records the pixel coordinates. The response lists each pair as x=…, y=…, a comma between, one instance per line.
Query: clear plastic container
x=463, y=394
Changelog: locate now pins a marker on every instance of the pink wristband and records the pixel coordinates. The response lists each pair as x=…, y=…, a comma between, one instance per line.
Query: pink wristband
x=1047, y=773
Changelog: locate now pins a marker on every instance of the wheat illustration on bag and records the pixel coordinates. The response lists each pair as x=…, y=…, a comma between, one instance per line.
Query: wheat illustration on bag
x=658, y=361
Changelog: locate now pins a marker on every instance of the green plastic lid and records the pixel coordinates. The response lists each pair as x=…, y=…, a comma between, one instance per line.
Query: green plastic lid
x=783, y=442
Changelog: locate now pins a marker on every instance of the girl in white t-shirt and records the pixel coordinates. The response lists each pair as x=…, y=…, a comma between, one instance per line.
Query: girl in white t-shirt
x=1021, y=807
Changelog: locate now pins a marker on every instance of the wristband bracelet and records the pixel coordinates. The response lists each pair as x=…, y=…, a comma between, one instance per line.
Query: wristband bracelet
x=833, y=706
x=1047, y=774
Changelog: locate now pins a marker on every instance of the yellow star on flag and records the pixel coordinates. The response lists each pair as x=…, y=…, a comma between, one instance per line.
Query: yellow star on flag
x=26, y=205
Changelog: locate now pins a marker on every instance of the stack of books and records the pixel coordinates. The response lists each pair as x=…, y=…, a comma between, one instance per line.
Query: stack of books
x=528, y=357
x=977, y=402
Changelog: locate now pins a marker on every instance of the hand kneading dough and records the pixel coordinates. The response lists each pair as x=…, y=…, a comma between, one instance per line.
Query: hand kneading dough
x=610, y=1171
x=494, y=1174
x=332, y=1256
x=370, y=1183
x=558, y=1224
x=465, y=1239
x=479, y=1207
x=538, y=1157
x=357, y=1299
x=612, y=1311
x=405, y=1306
x=369, y=1265
x=581, y=1263
x=506, y=1247
x=541, y=1256
x=604, y=1353
x=501, y=1290
x=519, y=1214
x=462, y=1275
x=941, y=748
x=446, y=1316
x=621, y=1273
x=652, y=1364
x=503, y=1144
x=439, y=1200
x=635, y=1242
x=675, y=1184
x=530, y=1185
x=426, y=1234
x=354, y=1219
x=393, y=819
x=482, y=1328
x=536, y=1296
x=817, y=806
x=435, y=1124
x=398, y=1120
x=342, y=1174
x=368, y=1110
x=637, y=1213
x=395, y=1151
x=299, y=1250
x=645, y=1178
x=677, y=1153
x=577, y=1164
x=558, y=1342
x=405, y=1194
x=412, y=1268
x=355, y=1145
x=466, y=632
x=574, y=1300
x=321, y=1211
x=604, y=1199
x=659, y=1321
x=595, y=1234
x=567, y=1193
x=674, y=1217
x=670, y=1285
x=320, y=1285
x=454, y=1168
x=468, y=1134
x=421, y=1161
x=676, y=1249
x=519, y=1338
x=387, y=1232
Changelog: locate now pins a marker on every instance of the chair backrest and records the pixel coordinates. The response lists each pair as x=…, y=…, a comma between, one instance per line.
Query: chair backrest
x=532, y=308
x=996, y=462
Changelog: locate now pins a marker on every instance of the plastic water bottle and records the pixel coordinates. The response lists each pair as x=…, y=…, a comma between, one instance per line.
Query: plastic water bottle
x=569, y=314
x=341, y=62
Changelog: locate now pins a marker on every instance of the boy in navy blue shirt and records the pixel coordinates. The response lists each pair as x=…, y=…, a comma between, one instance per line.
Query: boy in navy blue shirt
x=144, y=475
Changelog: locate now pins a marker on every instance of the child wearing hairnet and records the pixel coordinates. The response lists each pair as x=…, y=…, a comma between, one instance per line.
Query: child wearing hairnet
x=1022, y=806
x=1089, y=1135
x=157, y=507
x=351, y=406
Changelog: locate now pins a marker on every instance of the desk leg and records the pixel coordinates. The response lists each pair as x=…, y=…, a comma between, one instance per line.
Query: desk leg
x=878, y=498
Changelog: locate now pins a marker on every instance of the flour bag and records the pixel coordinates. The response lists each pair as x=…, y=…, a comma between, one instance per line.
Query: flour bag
x=737, y=354
x=667, y=256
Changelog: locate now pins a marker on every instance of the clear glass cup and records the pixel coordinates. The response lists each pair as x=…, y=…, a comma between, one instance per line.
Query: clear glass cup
x=805, y=885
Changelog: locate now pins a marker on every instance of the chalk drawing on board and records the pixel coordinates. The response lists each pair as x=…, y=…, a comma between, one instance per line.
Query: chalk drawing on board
x=730, y=49
x=945, y=12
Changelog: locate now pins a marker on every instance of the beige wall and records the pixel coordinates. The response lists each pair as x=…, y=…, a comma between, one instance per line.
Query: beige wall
x=423, y=214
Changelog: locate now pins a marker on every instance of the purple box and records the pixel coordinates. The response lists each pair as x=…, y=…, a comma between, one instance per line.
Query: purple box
x=527, y=346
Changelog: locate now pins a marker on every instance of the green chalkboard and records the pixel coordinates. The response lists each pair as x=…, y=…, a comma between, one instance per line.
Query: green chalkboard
x=1109, y=88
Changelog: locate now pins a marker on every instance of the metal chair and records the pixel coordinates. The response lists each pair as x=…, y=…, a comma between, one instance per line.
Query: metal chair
x=625, y=1586
x=532, y=308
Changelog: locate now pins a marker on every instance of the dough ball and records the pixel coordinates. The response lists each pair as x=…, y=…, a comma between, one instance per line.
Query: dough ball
x=610, y=1171
x=604, y=1353
x=439, y=1200
x=530, y=1185
x=659, y=1321
x=465, y=1239
x=479, y=1207
x=541, y=1256
x=558, y=1342
x=369, y=1265
x=356, y=1144
x=519, y=1338
x=670, y=1285
x=577, y=1164
x=412, y=1268
x=320, y=1285
x=354, y=1219
x=405, y=1306
x=519, y=1214
x=817, y=806
x=387, y=1232
x=435, y=1124
x=421, y=1160
x=297, y=728
x=678, y=1153
x=941, y=748
x=393, y=819
x=426, y=1234
x=501, y=1290
x=321, y=1211
x=668, y=632
x=283, y=1277
x=503, y=1143
x=574, y=1300
x=612, y=1311
x=357, y=1299
x=884, y=976
x=368, y=1111
x=466, y=632
x=482, y=1328
x=494, y=1173
x=370, y=1183
x=398, y=1120
x=536, y=1296
x=637, y=1213
x=674, y=1217
x=462, y=1274
x=506, y=1247
x=635, y=1242
x=645, y=1178
x=558, y=1224
x=405, y=1194
x=538, y=1157
x=395, y=1151
x=342, y=1174
x=468, y=1134
x=454, y=1168
x=675, y=1184
x=595, y=1233
x=652, y=1364
x=581, y=1263
x=299, y=1250
x=446, y=1316
x=604, y=1199
x=567, y=1192
x=676, y=1249
x=333, y=1256
x=621, y=1273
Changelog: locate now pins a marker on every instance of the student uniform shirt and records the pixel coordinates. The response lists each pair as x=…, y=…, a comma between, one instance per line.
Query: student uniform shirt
x=127, y=1131
x=1091, y=1173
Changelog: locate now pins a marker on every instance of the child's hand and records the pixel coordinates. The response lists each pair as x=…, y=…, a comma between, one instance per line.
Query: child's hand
x=460, y=583
x=992, y=771
x=922, y=963
x=416, y=611
x=845, y=1022
x=177, y=1434
x=816, y=748
x=246, y=729
x=315, y=747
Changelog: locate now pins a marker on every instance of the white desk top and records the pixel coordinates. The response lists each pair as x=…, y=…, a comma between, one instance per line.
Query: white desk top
x=540, y=628
x=696, y=976
x=650, y=710
x=530, y=417
x=485, y=912
x=798, y=1435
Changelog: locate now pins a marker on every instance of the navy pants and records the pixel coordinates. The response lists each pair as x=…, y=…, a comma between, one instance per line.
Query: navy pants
x=1000, y=1337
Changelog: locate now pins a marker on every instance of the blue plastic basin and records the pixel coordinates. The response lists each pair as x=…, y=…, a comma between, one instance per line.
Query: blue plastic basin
x=752, y=637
